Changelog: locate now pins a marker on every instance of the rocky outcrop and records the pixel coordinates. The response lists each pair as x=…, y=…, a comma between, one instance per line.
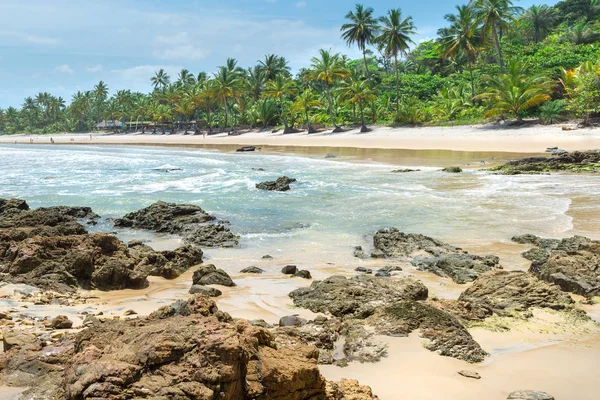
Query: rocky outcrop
x=282, y=184
x=432, y=255
x=529, y=395
x=453, y=170
x=191, y=222
x=501, y=292
x=62, y=256
x=358, y=296
x=366, y=305
x=190, y=350
x=210, y=275
x=252, y=270
x=570, y=263
x=577, y=161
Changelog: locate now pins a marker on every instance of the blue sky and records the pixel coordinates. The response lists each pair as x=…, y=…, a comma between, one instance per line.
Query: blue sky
x=62, y=46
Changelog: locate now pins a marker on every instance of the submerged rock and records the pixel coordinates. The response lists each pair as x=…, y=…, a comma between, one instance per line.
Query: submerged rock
x=282, y=184
x=453, y=170
x=199, y=353
x=189, y=221
x=210, y=275
x=570, y=263
x=432, y=255
x=577, y=161
x=303, y=274
x=529, y=395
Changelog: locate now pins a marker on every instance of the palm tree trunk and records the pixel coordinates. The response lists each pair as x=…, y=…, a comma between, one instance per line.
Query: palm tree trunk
x=226, y=114
x=498, y=49
x=397, y=86
x=472, y=80
x=330, y=106
x=369, y=79
x=362, y=114
x=354, y=112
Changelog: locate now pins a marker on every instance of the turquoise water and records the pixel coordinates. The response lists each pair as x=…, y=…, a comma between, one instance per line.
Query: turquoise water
x=335, y=204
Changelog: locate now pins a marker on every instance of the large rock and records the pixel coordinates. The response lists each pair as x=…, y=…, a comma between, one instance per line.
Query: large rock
x=49, y=249
x=210, y=275
x=358, y=296
x=282, y=184
x=201, y=354
x=500, y=292
x=577, y=161
x=432, y=255
x=191, y=222
x=570, y=263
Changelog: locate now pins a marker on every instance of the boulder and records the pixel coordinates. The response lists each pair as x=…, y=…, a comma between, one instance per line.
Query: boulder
x=252, y=270
x=577, y=161
x=432, y=255
x=189, y=221
x=364, y=270
x=359, y=252
x=453, y=170
x=61, y=322
x=210, y=275
x=208, y=291
x=303, y=274
x=529, y=395
x=501, y=292
x=291, y=320
x=359, y=296
x=281, y=184
x=246, y=149
x=570, y=263
x=289, y=270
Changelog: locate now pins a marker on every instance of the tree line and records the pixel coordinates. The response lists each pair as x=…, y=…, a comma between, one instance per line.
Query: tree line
x=492, y=60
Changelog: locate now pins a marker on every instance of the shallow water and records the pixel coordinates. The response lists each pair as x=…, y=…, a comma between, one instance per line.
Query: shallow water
x=336, y=204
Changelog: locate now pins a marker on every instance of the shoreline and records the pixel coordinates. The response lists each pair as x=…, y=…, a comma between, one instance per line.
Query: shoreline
x=459, y=139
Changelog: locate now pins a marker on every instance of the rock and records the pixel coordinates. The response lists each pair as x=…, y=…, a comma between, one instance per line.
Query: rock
x=282, y=184
x=129, y=312
x=201, y=355
x=570, y=263
x=189, y=221
x=61, y=322
x=210, y=275
x=577, y=161
x=529, y=395
x=349, y=389
x=267, y=257
x=90, y=320
x=383, y=274
x=390, y=268
x=469, y=374
x=364, y=270
x=453, y=170
x=16, y=339
x=359, y=296
x=169, y=264
x=429, y=254
x=303, y=274
x=501, y=292
x=405, y=170
x=289, y=270
x=259, y=322
x=252, y=270
x=291, y=320
x=358, y=252
x=208, y=291
x=330, y=155
x=5, y=316
x=246, y=149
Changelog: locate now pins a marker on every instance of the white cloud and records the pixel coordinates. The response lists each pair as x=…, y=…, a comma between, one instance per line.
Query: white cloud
x=64, y=69
x=31, y=39
x=301, y=4
x=177, y=47
x=94, y=68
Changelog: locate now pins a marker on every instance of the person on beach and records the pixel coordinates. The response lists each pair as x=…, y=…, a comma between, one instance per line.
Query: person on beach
x=51, y=140
x=30, y=140
x=204, y=134
x=90, y=136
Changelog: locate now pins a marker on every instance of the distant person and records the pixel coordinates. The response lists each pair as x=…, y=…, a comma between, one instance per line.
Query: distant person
x=204, y=134
x=51, y=140
x=90, y=136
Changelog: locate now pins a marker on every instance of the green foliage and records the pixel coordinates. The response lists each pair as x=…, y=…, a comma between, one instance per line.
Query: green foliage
x=552, y=111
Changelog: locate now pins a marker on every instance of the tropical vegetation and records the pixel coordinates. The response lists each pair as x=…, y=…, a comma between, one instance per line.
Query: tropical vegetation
x=493, y=60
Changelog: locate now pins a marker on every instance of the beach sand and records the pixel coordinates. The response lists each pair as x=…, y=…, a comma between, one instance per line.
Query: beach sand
x=479, y=138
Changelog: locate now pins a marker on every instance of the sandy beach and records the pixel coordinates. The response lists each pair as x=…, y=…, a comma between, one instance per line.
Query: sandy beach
x=531, y=139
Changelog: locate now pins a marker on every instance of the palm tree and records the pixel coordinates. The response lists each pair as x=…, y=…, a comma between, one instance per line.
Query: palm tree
x=226, y=85
x=185, y=78
x=328, y=69
x=515, y=91
x=160, y=80
x=494, y=15
x=304, y=103
x=542, y=19
x=462, y=37
x=394, y=40
x=358, y=92
x=30, y=109
x=278, y=89
x=274, y=65
x=583, y=33
x=254, y=82
x=361, y=30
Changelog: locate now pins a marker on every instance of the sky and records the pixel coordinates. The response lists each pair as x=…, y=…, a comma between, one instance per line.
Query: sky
x=62, y=46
